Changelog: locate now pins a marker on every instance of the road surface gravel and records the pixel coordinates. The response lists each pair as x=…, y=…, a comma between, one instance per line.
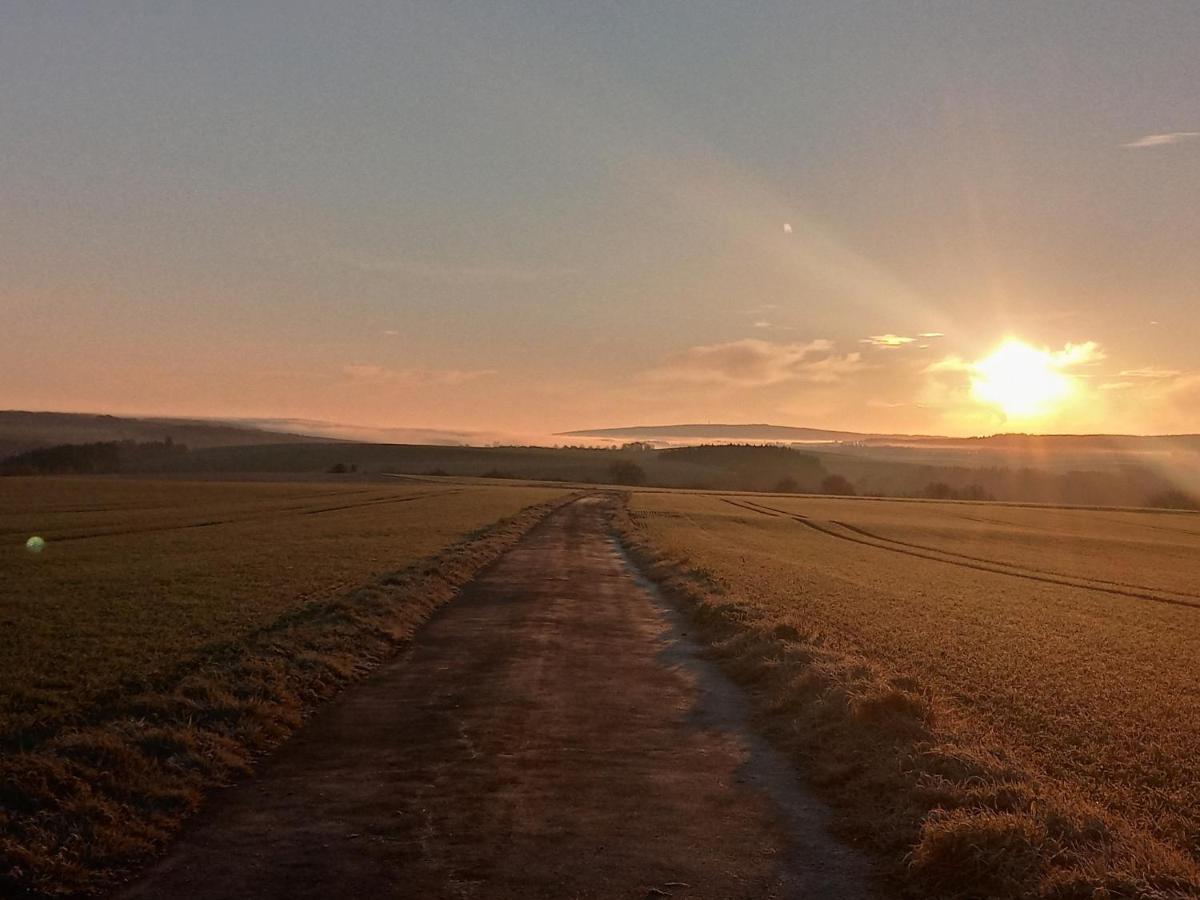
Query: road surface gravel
x=550, y=733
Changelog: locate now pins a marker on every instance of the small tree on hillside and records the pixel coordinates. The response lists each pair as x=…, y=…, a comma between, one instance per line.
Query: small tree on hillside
x=838, y=484
x=625, y=472
x=939, y=490
x=786, y=485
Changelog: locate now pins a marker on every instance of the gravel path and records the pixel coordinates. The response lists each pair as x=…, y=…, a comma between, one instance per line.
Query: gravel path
x=550, y=733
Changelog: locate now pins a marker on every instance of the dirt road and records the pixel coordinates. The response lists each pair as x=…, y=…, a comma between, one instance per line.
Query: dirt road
x=550, y=733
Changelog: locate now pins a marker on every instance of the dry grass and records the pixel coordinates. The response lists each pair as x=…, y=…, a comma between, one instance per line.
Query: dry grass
x=1000, y=703
x=169, y=633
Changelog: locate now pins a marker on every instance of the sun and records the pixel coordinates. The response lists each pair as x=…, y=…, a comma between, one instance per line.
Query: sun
x=1023, y=381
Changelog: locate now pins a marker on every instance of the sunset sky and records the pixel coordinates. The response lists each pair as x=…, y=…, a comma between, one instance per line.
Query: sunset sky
x=520, y=218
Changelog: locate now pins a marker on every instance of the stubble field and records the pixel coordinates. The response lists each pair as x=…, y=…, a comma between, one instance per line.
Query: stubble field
x=169, y=631
x=1000, y=701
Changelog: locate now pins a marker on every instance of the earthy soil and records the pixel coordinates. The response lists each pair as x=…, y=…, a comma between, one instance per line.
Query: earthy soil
x=549, y=733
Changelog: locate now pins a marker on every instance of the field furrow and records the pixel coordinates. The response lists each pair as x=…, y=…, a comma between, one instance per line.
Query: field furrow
x=858, y=535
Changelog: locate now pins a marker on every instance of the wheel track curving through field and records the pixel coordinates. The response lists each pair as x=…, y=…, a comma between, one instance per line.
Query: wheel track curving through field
x=257, y=517
x=861, y=536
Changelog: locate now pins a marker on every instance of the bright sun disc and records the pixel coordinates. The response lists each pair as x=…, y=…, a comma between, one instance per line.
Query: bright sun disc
x=1021, y=380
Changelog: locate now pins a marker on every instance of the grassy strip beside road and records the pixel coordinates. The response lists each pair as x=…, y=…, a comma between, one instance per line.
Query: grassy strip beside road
x=137, y=577
x=89, y=792
x=986, y=735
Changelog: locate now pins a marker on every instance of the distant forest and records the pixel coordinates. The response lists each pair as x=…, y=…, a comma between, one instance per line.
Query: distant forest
x=740, y=467
x=99, y=458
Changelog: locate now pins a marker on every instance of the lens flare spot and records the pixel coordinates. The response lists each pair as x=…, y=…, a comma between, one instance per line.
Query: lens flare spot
x=35, y=544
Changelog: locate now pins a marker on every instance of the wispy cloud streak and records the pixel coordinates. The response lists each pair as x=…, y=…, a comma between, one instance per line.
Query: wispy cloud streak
x=1162, y=140
x=757, y=363
x=890, y=341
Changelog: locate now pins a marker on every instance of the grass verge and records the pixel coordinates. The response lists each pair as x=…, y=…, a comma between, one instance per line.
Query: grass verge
x=82, y=806
x=946, y=813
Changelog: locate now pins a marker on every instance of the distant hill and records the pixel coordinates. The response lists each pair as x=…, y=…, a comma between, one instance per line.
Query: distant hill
x=727, y=432
x=1115, y=470
x=1027, y=443
x=1091, y=479
x=22, y=431
x=872, y=471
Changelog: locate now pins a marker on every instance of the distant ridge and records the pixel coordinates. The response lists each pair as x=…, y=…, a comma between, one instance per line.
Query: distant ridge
x=750, y=432
x=21, y=430
x=786, y=433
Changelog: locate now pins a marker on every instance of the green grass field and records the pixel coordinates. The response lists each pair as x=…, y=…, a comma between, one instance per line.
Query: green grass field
x=1000, y=700
x=137, y=576
x=169, y=630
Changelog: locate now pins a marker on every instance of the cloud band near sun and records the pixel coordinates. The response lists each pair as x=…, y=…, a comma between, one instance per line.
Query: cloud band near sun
x=891, y=341
x=1021, y=381
x=757, y=363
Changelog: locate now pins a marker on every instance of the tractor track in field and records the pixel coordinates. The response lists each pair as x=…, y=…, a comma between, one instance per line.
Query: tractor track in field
x=238, y=520
x=861, y=536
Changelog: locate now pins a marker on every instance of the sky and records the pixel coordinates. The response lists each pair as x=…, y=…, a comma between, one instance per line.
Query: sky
x=958, y=217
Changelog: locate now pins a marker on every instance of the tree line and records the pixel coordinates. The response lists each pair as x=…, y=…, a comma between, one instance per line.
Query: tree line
x=99, y=458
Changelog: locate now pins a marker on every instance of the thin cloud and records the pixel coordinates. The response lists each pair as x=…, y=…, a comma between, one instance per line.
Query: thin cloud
x=1151, y=372
x=975, y=392
x=1071, y=356
x=757, y=363
x=1078, y=355
x=889, y=341
x=368, y=375
x=950, y=364
x=930, y=334
x=1162, y=140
